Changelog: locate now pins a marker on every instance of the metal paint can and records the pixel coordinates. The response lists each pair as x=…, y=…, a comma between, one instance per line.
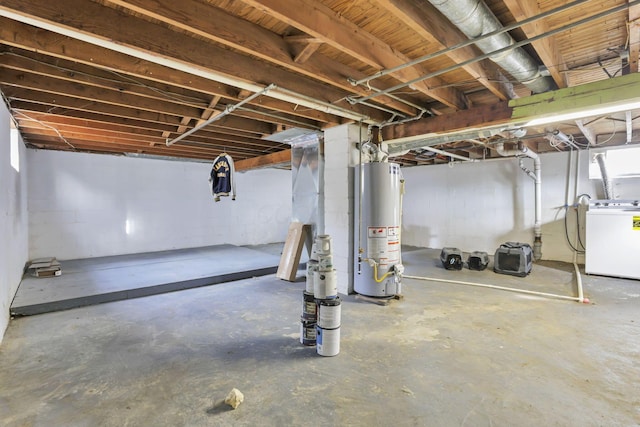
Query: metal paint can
x=309, y=307
x=325, y=284
x=325, y=262
x=328, y=313
x=323, y=244
x=327, y=341
x=312, y=267
x=314, y=252
x=307, y=332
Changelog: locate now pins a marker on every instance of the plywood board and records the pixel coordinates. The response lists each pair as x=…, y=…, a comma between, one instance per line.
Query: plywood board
x=290, y=259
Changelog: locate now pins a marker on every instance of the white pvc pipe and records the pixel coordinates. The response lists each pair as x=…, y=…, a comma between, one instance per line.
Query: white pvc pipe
x=575, y=253
x=537, y=169
x=579, y=298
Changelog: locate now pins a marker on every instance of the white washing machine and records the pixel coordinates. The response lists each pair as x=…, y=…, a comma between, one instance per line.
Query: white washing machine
x=613, y=238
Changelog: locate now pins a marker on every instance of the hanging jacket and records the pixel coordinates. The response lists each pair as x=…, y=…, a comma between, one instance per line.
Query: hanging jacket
x=221, y=177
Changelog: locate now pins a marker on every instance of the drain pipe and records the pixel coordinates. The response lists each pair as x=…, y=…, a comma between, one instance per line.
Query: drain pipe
x=607, y=183
x=536, y=175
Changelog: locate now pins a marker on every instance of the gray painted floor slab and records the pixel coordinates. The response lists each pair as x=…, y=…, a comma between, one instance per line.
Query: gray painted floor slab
x=446, y=355
x=106, y=279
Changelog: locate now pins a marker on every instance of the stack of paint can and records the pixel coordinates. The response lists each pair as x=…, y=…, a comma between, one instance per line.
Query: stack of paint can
x=325, y=292
x=309, y=309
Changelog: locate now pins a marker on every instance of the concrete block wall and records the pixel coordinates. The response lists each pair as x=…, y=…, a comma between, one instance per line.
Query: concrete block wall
x=87, y=205
x=339, y=160
x=478, y=206
x=13, y=214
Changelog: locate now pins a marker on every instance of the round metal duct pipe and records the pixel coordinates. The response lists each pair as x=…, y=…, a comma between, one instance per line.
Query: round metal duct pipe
x=474, y=18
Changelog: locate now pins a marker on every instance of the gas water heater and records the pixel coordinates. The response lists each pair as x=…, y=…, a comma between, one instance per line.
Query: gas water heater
x=378, y=262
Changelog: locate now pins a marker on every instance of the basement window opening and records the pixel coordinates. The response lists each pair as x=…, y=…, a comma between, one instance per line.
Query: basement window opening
x=14, y=138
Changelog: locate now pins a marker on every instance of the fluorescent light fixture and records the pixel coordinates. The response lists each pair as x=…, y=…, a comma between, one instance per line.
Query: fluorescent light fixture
x=573, y=115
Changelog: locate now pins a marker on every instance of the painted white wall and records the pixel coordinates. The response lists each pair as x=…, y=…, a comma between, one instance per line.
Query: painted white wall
x=87, y=205
x=13, y=215
x=478, y=206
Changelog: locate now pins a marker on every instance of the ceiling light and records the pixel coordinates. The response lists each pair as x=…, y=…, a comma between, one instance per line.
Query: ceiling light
x=573, y=115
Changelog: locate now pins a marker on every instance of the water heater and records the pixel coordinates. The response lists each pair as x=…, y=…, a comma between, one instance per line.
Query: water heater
x=378, y=262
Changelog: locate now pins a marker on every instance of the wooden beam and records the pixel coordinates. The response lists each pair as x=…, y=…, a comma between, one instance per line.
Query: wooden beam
x=219, y=26
x=93, y=93
x=432, y=26
x=72, y=71
x=83, y=119
x=321, y=22
x=306, y=53
x=634, y=37
x=54, y=142
x=587, y=132
x=88, y=117
x=269, y=160
x=476, y=117
x=604, y=93
x=79, y=123
x=547, y=48
x=99, y=23
x=59, y=104
x=183, y=127
x=32, y=39
x=304, y=46
x=302, y=38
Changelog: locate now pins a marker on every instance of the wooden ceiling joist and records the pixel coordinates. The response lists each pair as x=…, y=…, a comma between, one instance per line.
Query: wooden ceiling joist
x=634, y=37
x=142, y=36
x=546, y=48
x=430, y=24
x=321, y=22
x=89, y=93
x=122, y=76
x=218, y=26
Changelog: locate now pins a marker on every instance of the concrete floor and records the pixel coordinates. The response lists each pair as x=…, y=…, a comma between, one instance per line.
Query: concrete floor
x=446, y=355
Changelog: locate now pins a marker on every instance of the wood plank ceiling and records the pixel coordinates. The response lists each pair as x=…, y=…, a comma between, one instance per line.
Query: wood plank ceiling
x=126, y=76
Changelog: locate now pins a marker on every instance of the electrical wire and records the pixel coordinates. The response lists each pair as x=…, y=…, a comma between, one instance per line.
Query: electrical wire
x=566, y=233
x=615, y=130
x=40, y=122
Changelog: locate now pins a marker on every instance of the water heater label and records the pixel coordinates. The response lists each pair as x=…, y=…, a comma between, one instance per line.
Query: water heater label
x=383, y=245
x=636, y=222
x=377, y=232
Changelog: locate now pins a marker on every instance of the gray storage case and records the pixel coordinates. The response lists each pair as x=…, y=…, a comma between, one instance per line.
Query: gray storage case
x=513, y=258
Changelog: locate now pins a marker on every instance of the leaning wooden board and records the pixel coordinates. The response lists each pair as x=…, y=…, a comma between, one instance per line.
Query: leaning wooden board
x=290, y=258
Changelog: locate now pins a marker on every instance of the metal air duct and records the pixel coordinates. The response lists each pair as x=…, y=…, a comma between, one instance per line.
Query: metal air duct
x=474, y=18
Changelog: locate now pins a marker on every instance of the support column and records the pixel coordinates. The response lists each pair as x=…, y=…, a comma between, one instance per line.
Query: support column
x=340, y=157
